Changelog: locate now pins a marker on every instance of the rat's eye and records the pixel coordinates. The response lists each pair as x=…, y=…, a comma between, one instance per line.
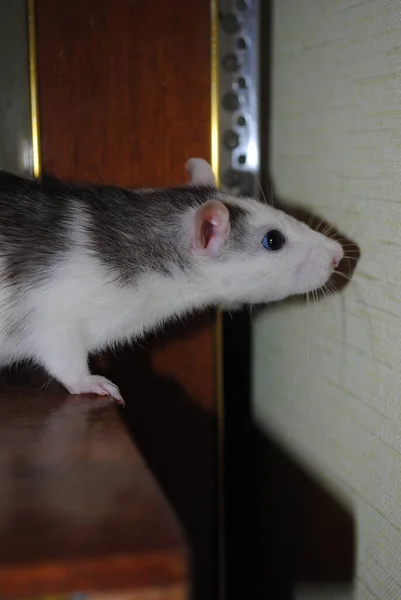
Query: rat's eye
x=273, y=240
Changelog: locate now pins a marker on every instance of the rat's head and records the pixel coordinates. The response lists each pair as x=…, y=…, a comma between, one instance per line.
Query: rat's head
x=250, y=252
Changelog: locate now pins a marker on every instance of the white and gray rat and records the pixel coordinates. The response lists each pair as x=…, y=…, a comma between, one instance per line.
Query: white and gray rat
x=85, y=267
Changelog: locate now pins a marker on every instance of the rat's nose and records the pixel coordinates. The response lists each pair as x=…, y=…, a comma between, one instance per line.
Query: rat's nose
x=337, y=256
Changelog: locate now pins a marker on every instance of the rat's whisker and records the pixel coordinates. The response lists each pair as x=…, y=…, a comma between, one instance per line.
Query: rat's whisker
x=262, y=194
x=264, y=198
x=318, y=227
x=350, y=248
x=344, y=275
x=354, y=254
x=346, y=244
x=349, y=259
x=315, y=297
x=328, y=229
x=271, y=192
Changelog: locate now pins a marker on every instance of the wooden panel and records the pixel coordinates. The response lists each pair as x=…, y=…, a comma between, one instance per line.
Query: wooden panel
x=124, y=96
x=79, y=510
x=125, y=92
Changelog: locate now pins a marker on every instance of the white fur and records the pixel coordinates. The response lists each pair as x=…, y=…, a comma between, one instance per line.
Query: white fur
x=304, y=263
x=80, y=308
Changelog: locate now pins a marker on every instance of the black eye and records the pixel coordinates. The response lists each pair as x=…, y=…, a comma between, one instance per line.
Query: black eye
x=273, y=240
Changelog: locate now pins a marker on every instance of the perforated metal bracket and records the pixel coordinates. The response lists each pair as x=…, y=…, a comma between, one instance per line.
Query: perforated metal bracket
x=239, y=93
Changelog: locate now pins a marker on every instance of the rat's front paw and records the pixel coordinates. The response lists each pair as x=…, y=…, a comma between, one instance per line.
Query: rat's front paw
x=96, y=384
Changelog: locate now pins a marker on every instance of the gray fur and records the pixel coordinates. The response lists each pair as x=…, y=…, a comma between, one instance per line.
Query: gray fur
x=130, y=231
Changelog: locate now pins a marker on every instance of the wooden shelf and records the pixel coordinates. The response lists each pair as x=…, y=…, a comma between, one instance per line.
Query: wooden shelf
x=79, y=509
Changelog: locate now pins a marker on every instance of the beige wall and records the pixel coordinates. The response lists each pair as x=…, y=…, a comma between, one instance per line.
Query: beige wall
x=327, y=378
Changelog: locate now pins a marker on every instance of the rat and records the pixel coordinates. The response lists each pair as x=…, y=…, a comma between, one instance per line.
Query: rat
x=86, y=267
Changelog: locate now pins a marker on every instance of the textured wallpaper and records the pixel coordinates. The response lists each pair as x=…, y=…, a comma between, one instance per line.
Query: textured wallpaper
x=327, y=378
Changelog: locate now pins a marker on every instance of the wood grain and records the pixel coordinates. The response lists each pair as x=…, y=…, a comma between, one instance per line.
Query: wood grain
x=79, y=510
x=167, y=593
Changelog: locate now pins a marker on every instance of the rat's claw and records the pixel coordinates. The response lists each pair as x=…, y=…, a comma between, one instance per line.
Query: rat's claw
x=96, y=384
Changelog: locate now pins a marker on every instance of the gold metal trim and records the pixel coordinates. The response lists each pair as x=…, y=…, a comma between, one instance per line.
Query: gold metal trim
x=33, y=76
x=215, y=124
x=218, y=333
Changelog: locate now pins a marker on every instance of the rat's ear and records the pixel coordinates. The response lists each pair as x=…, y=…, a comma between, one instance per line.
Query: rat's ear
x=200, y=172
x=211, y=228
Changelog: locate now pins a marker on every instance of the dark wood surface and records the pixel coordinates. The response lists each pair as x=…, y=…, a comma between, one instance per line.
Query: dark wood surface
x=79, y=509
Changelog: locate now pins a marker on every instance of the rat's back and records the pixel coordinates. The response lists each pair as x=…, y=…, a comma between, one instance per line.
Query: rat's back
x=35, y=229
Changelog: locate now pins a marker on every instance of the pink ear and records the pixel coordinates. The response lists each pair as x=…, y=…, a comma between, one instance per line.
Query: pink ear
x=200, y=172
x=212, y=227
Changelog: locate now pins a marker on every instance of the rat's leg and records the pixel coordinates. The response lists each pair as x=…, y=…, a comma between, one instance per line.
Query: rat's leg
x=64, y=357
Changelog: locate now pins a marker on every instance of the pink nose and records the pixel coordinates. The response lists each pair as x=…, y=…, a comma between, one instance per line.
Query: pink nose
x=335, y=261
